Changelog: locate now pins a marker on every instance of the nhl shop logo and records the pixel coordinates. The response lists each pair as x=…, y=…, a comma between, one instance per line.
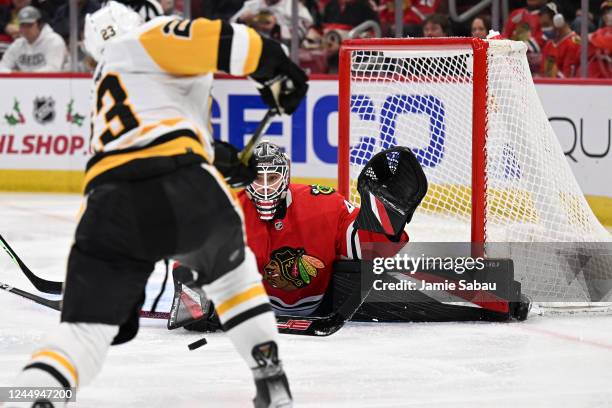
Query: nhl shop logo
x=44, y=110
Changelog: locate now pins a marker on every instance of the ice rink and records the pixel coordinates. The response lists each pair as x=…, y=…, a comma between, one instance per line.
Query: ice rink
x=552, y=361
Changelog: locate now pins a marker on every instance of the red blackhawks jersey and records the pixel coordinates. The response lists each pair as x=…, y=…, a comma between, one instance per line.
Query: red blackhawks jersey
x=600, y=53
x=295, y=254
x=561, y=59
x=415, y=11
x=523, y=25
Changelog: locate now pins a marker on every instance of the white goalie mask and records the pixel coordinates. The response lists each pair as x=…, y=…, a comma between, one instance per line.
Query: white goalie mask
x=109, y=22
x=269, y=189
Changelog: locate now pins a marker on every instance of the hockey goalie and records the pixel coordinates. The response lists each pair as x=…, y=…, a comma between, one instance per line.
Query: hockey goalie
x=301, y=233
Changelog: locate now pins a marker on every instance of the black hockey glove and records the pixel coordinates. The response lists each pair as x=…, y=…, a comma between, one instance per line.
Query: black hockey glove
x=282, y=84
x=391, y=186
x=228, y=163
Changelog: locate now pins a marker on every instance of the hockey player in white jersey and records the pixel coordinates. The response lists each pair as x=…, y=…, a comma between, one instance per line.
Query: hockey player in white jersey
x=152, y=192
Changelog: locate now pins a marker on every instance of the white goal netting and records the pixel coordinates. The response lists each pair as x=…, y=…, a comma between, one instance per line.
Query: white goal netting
x=422, y=97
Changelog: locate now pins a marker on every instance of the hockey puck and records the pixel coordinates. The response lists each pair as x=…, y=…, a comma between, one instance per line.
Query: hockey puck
x=197, y=344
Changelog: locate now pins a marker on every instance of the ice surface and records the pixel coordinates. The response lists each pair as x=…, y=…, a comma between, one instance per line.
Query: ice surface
x=555, y=361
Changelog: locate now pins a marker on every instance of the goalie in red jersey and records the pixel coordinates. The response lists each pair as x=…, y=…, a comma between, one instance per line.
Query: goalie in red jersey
x=298, y=231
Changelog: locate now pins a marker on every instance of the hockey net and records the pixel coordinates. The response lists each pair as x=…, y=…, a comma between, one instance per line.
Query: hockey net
x=496, y=171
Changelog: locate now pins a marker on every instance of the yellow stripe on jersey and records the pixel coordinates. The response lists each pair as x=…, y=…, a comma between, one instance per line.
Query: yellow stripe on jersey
x=184, y=55
x=164, y=122
x=256, y=290
x=174, y=147
x=61, y=360
x=254, y=54
x=192, y=47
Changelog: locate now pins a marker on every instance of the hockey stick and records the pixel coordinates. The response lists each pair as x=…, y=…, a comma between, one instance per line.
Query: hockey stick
x=53, y=304
x=56, y=304
x=247, y=152
x=300, y=325
x=43, y=285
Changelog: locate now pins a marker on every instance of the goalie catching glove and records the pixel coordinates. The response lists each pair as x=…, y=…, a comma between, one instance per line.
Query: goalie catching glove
x=391, y=185
x=281, y=83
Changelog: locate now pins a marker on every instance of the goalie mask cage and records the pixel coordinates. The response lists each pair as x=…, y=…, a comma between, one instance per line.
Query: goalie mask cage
x=469, y=111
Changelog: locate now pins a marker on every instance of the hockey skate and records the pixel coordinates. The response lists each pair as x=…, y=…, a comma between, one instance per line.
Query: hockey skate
x=270, y=379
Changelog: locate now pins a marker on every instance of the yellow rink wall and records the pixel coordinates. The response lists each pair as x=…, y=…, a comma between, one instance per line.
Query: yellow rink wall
x=66, y=181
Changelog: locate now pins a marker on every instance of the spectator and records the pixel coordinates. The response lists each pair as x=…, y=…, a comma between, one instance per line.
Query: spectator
x=524, y=25
x=414, y=14
x=281, y=9
x=600, y=45
x=561, y=54
x=436, y=25
x=47, y=7
x=480, y=26
x=265, y=23
x=577, y=23
x=9, y=20
x=61, y=20
x=339, y=17
x=39, y=49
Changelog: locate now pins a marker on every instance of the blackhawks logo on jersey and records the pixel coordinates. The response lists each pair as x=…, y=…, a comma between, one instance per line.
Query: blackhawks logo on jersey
x=316, y=189
x=291, y=269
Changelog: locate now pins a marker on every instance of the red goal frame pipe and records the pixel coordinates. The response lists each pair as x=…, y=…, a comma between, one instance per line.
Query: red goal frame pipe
x=344, y=117
x=479, y=137
x=479, y=112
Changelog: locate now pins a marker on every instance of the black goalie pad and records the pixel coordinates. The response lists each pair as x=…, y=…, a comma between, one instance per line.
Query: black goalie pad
x=391, y=185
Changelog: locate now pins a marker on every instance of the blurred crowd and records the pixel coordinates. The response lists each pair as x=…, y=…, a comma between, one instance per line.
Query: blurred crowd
x=34, y=33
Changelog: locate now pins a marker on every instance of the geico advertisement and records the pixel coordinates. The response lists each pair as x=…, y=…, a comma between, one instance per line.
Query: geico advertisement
x=45, y=125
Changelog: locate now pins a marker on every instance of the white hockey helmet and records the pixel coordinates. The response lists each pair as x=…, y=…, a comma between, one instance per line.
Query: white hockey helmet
x=111, y=21
x=269, y=190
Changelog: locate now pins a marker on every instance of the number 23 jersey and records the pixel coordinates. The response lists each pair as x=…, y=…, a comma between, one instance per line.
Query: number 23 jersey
x=151, y=95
